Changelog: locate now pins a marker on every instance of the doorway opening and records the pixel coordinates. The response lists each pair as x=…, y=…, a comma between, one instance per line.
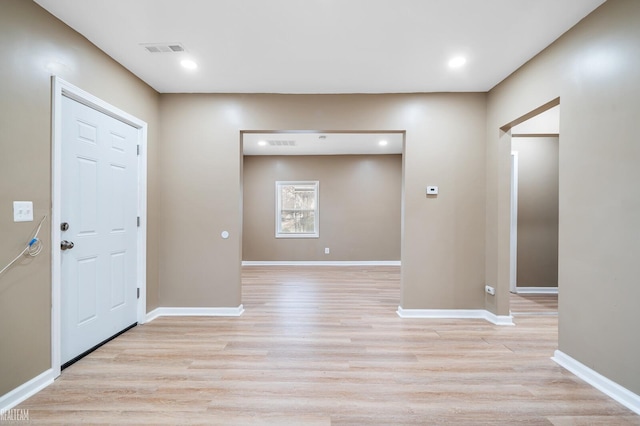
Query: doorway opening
x=359, y=176
x=359, y=185
x=533, y=274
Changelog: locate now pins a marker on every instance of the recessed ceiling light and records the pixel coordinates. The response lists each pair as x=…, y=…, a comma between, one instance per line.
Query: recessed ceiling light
x=382, y=143
x=189, y=64
x=262, y=143
x=457, y=62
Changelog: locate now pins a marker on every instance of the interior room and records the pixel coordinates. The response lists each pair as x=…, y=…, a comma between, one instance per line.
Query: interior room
x=169, y=258
x=360, y=175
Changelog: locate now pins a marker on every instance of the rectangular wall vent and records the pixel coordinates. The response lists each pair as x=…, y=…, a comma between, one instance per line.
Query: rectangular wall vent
x=163, y=47
x=282, y=143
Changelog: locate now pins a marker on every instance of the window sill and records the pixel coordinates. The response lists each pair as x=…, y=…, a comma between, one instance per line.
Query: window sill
x=297, y=236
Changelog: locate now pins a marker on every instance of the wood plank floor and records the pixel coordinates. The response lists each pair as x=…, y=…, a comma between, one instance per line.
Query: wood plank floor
x=320, y=346
x=534, y=304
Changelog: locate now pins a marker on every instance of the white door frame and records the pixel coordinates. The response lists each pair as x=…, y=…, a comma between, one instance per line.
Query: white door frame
x=63, y=88
x=513, y=244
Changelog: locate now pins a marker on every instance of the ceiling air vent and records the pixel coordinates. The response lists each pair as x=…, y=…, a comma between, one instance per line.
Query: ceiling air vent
x=282, y=143
x=163, y=47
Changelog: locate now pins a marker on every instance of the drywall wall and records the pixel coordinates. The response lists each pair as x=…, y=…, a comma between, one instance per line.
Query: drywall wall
x=537, y=211
x=593, y=70
x=33, y=45
x=360, y=200
x=201, y=161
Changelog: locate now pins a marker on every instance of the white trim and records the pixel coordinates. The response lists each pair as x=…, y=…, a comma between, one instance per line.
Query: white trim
x=513, y=237
x=142, y=228
x=619, y=393
x=26, y=390
x=499, y=319
x=62, y=88
x=456, y=314
x=195, y=312
x=537, y=290
x=321, y=263
x=56, y=194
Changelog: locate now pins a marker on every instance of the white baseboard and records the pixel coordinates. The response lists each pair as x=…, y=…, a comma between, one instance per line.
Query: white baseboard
x=498, y=319
x=537, y=290
x=26, y=390
x=621, y=394
x=191, y=312
x=456, y=314
x=321, y=263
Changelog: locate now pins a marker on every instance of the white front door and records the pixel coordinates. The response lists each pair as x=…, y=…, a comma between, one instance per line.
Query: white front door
x=99, y=205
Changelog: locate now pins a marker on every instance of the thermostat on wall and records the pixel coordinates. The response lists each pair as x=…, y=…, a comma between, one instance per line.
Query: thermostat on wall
x=432, y=190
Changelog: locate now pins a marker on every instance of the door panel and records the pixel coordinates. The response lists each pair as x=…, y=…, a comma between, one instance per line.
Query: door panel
x=87, y=295
x=99, y=202
x=87, y=191
x=118, y=279
x=117, y=213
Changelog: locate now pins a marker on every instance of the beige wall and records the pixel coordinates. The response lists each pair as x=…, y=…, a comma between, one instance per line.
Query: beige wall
x=29, y=39
x=593, y=68
x=443, y=244
x=537, y=211
x=360, y=200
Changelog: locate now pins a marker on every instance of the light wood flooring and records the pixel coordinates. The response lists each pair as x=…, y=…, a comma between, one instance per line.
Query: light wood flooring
x=320, y=346
x=534, y=304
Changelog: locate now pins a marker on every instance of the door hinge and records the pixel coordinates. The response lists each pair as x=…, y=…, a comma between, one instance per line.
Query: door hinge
x=138, y=149
x=138, y=221
x=138, y=293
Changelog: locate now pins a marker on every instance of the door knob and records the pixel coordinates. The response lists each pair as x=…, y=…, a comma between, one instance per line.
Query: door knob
x=66, y=245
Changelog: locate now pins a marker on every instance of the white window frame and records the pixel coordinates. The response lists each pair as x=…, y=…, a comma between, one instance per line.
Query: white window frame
x=316, y=233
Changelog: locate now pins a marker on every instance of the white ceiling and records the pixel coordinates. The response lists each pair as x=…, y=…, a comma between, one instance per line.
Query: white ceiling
x=312, y=143
x=322, y=46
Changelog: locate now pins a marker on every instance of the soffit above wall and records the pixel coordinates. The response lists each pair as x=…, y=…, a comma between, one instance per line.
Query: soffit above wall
x=546, y=123
x=315, y=143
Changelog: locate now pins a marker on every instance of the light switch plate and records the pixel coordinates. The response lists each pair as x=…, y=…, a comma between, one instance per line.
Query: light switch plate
x=23, y=211
x=432, y=190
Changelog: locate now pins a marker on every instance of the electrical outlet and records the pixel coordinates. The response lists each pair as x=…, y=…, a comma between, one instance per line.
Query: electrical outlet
x=326, y=250
x=490, y=290
x=23, y=211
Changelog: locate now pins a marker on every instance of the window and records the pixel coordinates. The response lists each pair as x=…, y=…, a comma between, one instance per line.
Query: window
x=297, y=209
